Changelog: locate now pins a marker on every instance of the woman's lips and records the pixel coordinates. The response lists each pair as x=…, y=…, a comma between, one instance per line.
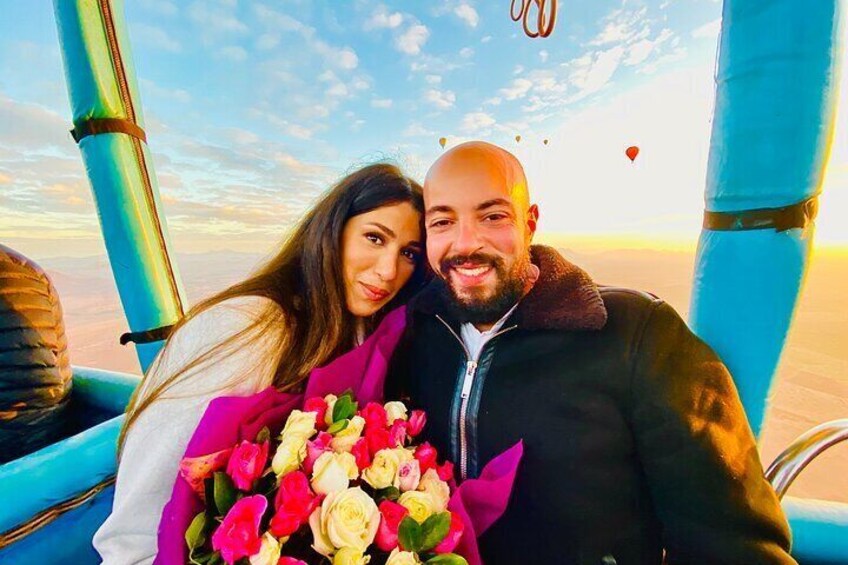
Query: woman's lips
x=373, y=293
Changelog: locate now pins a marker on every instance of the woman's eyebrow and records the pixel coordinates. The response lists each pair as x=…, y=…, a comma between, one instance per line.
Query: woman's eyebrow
x=383, y=228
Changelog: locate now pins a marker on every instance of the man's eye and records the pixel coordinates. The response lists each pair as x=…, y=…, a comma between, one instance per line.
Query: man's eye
x=374, y=238
x=439, y=223
x=495, y=217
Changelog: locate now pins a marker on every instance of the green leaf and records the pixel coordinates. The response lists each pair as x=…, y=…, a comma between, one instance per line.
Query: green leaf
x=410, y=534
x=388, y=493
x=225, y=492
x=263, y=435
x=195, y=536
x=216, y=559
x=447, y=559
x=337, y=427
x=434, y=529
x=344, y=408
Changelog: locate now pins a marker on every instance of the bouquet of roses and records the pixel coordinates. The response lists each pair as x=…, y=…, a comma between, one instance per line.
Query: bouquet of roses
x=338, y=484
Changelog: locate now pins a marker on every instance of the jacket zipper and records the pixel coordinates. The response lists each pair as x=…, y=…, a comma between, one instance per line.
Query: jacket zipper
x=465, y=393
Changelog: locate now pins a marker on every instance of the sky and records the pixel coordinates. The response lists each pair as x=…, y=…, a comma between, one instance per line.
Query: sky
x=253, y=108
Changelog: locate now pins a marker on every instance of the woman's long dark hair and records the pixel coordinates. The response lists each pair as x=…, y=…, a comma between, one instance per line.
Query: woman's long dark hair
x=304, y=281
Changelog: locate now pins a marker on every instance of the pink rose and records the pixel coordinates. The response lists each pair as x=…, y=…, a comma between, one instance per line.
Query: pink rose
x=238, y=534
x=360, y=452
x=416, y=423
x=445, y=471
x=397, y=433
x=409, y=474
x=375, y=416
x=247, y=463
x=291, y=561
x=294, y=502
x=319, y=406
x=314, y=450
x=377, y=438
x=449, y=543
x=426, y=455
x=391, y=515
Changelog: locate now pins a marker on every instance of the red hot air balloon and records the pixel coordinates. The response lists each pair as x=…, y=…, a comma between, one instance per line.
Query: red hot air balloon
x=631, y=152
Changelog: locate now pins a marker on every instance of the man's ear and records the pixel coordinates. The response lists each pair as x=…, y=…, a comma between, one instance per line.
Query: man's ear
x=532, y=220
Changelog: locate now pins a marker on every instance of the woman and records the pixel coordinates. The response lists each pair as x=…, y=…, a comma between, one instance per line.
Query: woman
x=350, y=260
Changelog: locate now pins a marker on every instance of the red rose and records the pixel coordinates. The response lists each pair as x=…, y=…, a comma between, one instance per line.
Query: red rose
x=247, y=463
x=397, y=433
x=451, y=540
x=391, y=515
x=319, y=406
x=377, y=438
x=426, y=455
x=416, y=423
x=360, y=452
x=375, y=416
x=445, y=471
x=238, y=534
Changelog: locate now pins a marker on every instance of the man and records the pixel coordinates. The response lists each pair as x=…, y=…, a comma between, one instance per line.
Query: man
x=635, y=441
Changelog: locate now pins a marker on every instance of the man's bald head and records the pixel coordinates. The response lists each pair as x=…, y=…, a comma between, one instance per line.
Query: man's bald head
x=482, y=160
x=479, y=227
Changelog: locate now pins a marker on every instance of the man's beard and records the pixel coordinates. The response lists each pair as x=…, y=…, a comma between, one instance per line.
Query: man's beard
x=484, y=309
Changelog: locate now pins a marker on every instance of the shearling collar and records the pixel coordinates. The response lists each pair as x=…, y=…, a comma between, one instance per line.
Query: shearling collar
x=563, y=298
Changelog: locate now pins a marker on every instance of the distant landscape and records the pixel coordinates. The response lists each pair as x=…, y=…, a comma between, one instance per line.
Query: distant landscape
x=812, y=383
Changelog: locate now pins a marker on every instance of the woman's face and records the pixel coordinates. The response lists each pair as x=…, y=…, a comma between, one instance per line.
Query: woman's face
x=380, y=250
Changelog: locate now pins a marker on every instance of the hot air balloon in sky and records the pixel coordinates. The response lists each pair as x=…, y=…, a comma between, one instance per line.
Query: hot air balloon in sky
x=517, y=138
x=545, y=142
x=442, y=141
x=632, y=152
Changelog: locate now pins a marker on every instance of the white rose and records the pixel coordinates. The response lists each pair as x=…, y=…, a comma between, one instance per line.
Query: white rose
x=330, y=474
x=344, y=440
x=395, y=411
x=330, y=399
x=290, y=454
x=346, y=519
x=420, y=504
x=299, y=425
x=398, y=557
x=435, y=487
x=404, y=454
x=269, y=553
x=383, y=470
x=350, y=556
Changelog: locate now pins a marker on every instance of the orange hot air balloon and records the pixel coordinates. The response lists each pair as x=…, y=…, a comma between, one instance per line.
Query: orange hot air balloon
x=517, y=138
x=442, y=141
x=632, y=152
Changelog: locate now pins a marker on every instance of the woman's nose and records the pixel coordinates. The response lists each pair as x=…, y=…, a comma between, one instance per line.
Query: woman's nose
x=386, y=267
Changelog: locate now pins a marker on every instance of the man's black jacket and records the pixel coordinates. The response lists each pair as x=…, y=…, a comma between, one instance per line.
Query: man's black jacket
x=635, y=440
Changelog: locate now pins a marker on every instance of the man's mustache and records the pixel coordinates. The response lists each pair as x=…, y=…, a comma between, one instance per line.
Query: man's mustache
x=477, y=258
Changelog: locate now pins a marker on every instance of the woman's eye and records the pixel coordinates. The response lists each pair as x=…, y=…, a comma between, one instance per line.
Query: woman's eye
x=411, y=255
x=374, y=238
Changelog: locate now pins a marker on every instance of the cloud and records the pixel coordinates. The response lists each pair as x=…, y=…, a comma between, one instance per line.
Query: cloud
x=709, y=30
x=415, y=129
x=466, y=52
x=174, y=95
x=233, y=53
x=433, y=79
x=593, y=72
x=382, y=19
x=543, y=55
x=215, y=19
x=413, y=39
x=517, y=89
x=467, y=14
x=441, y=99
x=622, y=26
x=476, y=121
x=155, y=38
x=486, y=39
x=381, y=103
x=267, y=41
x=160, y=7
